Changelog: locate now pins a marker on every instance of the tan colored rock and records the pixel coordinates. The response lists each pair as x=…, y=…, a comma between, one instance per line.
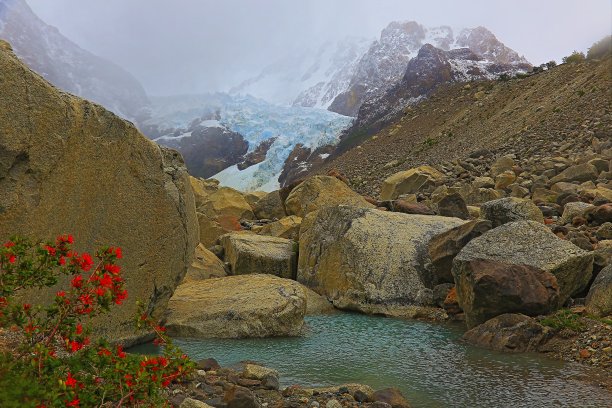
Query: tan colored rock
x=220, y=213
x=574, y=209
x=70, y=166
x=504, y=179
x=236, y=307
x=483, y=182
x=260, y=254
x=193, y=403
x=501, y=165
x=270, y=207
x=319, y=192
x=474, y=211
x=564, y=187
x=205, y=265
x=360, y=257
x=543, y=195
x=286, y=227
x=202, y=188
x=409, y=182
x=257, y=372
x=580, y=172
x=597, y=193
x=253, y=197
x=599, y=299
x=317, y=304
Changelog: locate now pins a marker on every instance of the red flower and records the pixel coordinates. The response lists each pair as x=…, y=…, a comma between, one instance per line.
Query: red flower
x=12, y=258
x=61, y=293
x=62, y=239
x=118, y=253
x=71, y=381
x=106, y=281
x=79, y=328
x=100, y=292
x=114, y=269
x=86, y=262
x=75, y=346
x=50, y=250
x=86, y=299
x=120, y=297
x=62, y=260
x=27, y=306
x=120, y=352
x=73, y=403
x=77, y=281
x=9, y=244
x=104, y=352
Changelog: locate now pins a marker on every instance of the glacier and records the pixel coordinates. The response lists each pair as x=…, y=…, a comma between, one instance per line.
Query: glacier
x=256, y=120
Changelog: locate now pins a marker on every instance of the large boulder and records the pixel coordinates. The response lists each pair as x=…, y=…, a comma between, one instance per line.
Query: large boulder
x=443, y=248
x=599, y=299
x=580, y=172
x=319, y=192
x=68, y=165
x=510, y=333
x=259, y=254
x=237, y=306
x=205, y=265
x=409, y=182
x=510, y=209
x=362, y=258
x=220, y=213
x=524, y=244
x=269, y=207
x=574, y=209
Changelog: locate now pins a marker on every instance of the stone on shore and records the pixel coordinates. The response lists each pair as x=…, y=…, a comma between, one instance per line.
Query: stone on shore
x=237, y=307
x=599, y=298
x=522, y=244
x=363, y=259
x=510, y=333
x=205, y=265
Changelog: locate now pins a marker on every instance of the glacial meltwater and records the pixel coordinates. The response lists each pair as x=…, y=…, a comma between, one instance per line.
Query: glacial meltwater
x=428, y=362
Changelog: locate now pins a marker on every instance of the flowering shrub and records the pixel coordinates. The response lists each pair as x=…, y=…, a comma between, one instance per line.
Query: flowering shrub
x=54, y=363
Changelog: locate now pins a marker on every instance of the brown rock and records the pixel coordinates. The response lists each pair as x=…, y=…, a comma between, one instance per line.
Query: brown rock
x=410, y=181
x=509, y=332
x=269, y=207
x=411, y=208
x=488, y=288
x=391, y=396
x=444, y=247
x=205, y=265
x=453, y=205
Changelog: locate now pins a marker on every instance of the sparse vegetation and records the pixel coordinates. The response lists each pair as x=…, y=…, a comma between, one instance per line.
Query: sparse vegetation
x=564, y=319
x=551, y=64
x=574, y=57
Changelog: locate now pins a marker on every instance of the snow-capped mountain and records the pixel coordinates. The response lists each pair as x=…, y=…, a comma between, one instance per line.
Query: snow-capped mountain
x=67, y=66
x=308, y=77
x=385, y=62
x=185, y=122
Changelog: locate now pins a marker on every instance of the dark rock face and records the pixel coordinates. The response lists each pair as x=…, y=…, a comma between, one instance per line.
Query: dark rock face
x=510, y=333
x=258, y=155
x=300, y=160
x=489, y=288
x=208, y=150
x=391, y=396
x=63, y=63
x=453, y=205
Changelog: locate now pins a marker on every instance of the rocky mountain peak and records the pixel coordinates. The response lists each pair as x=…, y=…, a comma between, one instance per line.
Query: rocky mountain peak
x=484, y=43
x=63, y=63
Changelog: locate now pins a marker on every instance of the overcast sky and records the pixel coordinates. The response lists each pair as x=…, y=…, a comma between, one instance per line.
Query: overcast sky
x=186, y=46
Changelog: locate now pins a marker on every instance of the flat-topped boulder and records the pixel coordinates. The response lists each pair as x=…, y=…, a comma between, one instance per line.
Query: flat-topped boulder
x=236, y=307
x=220, y=212
x=409, y=182
x=521, y=257
x=319, y=192
x=510, y=209
x=259, y=254
x=359, y=257
x=70, y=166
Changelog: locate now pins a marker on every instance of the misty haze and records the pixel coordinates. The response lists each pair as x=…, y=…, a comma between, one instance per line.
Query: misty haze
x=325, y=203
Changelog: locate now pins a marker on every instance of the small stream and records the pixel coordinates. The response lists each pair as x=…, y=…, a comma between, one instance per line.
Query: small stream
x=428, y=362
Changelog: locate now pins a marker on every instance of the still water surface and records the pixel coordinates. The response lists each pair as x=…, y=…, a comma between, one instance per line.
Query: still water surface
x=428, y=362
